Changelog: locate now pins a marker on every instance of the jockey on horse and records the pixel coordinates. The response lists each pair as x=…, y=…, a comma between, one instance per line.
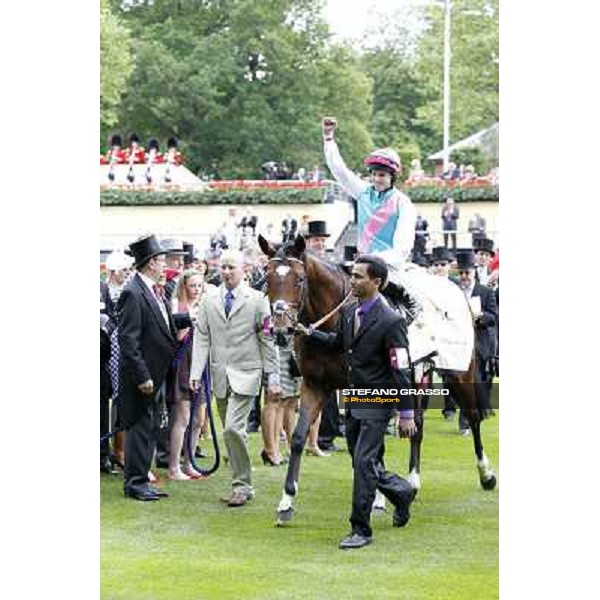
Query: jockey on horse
x=442, y=323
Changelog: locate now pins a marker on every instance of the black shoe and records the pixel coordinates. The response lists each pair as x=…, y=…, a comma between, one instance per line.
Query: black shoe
x=143, y=496
x=355, y=540
x=198, y=453
x=252, y=428
x=159, y=493
x=401, y=514
x=161, y=463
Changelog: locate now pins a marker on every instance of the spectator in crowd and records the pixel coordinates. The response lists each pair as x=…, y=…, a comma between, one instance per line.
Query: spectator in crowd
x=450, y=216
x=416, y=171
x=300, y=174
x=316, y=238
x=421, y=235
x=303, y=228
x=451, y=173
x=213, y=261
x=485, y=311
x=270, y=235
x=218, y=240
x=317, y=174
x=476, y=227
x=232, y=329
x=175, y=262
x=147, y=339
x=118, y=266
x=248, y=229
x=469, y=173
x=289, y=226
x=484, y=251
x=190, y=289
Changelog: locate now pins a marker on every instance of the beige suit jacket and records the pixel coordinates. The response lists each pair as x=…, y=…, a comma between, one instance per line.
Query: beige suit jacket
x=239, y=346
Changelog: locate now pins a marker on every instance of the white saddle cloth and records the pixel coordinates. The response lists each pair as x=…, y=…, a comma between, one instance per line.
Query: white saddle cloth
x=446, y=325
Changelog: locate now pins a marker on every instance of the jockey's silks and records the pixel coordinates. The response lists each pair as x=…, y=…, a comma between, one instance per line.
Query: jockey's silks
x=379, y=213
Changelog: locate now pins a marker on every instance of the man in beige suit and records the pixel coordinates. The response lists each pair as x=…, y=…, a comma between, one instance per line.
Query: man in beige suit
x=233, y=328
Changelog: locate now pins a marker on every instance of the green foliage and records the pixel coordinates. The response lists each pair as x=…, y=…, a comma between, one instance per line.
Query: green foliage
x=116, y=64
x=181, y=198
x=474, y=72
x=471, y=156
x=431, y=193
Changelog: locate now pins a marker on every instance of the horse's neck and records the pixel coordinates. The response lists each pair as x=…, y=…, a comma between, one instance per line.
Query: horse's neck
x=325, y=289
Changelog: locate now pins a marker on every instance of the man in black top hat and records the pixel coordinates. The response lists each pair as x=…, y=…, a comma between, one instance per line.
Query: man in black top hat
x=147, y=340
x=485, y=312
x=484, y=251
x=316, y=239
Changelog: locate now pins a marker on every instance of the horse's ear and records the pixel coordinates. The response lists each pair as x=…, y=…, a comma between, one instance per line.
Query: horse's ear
x=265, y=246
x=299, y=246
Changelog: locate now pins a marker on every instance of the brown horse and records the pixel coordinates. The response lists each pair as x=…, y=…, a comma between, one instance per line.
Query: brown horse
x=303, y=288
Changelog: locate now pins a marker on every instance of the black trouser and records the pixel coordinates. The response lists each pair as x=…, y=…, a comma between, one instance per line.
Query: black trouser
x=104, y=413
x=365, y=444
x=452, y=235
x=140, y=443
x=330, y=421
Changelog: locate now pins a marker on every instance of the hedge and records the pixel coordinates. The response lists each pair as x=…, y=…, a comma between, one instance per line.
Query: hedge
x=289, y=196
x=181, y=198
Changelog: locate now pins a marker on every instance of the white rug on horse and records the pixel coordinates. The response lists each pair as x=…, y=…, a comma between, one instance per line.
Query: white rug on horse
x=446, y=325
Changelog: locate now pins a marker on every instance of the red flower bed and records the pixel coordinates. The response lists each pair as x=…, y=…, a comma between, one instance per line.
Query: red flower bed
x=254, y=184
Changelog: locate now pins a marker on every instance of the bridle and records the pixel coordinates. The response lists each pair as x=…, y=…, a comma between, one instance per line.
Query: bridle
x=282, y=309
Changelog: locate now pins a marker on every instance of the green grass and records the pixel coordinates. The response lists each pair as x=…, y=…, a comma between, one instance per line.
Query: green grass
x=191, y=546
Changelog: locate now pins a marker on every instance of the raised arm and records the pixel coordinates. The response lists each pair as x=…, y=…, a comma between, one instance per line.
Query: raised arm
x=353, y=185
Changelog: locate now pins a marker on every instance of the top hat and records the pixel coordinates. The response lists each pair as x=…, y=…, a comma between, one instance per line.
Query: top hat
x=116, y=140
x=173, y=247
x=144, y=249
x=172, y=142
x=189, y=253
x=317, y=229
x=420, y=260
x=441, y=254
x=465, y=259
x=483, y=245
x=350, y=253
x=153, y=143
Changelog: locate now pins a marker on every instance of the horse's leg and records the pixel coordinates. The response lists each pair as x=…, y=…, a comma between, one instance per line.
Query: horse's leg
x=414, y=463
x=465, y=387
x=310, y=405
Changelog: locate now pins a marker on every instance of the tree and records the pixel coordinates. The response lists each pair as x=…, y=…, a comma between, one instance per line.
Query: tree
x=241, y=82
x=474, y=78
x=116, y=64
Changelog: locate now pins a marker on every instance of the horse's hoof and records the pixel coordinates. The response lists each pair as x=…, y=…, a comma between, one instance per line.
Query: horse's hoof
x=284, y=517
x=489, y=484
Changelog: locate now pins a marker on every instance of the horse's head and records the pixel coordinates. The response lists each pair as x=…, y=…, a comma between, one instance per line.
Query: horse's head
x=286, y=282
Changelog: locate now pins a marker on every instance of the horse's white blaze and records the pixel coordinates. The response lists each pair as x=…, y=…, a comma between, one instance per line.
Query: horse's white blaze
x=282, y=270
x=414, y=479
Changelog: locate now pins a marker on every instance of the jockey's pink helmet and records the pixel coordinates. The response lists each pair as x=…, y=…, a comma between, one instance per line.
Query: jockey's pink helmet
x=384, y=158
